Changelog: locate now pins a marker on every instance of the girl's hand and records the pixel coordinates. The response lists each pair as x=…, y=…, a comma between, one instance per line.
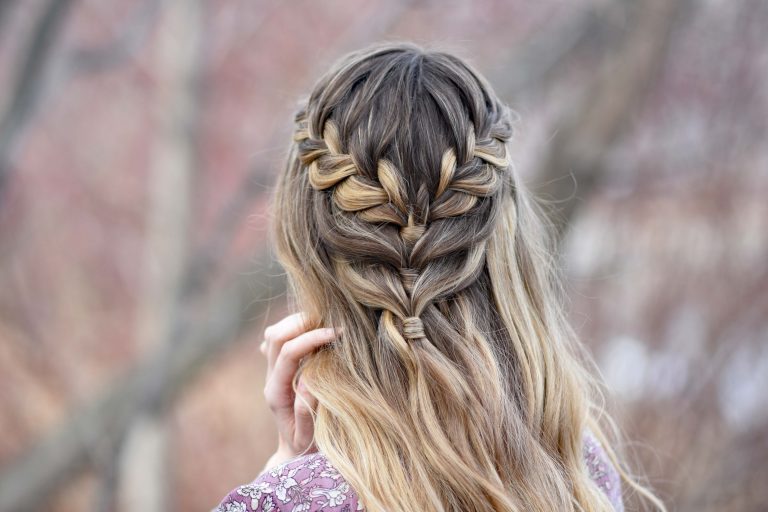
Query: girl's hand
x=285, y=344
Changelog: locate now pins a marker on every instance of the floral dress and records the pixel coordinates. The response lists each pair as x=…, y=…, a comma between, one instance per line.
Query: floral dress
x=310, y=483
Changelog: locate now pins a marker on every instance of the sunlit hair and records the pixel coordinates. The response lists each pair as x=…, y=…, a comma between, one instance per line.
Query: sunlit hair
x=457, y=383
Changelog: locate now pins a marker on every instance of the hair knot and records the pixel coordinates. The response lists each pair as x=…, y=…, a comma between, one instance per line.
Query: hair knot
x=411, y=232
x=408, y=276
x=413, y=328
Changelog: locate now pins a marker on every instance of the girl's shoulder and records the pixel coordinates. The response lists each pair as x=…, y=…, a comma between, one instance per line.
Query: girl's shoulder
x=310, y=483
x=306, y=483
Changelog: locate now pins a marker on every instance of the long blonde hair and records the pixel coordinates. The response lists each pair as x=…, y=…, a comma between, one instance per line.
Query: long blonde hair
x=457, y=383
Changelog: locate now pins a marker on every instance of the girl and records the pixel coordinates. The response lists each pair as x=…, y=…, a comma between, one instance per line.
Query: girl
x=431, y=367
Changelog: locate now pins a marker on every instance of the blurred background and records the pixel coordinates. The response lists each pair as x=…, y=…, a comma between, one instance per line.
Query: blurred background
x=139, y=144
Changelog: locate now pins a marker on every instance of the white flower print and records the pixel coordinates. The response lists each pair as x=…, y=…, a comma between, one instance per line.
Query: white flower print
x=280, y=468
x=302, y=506
x=254, y=490
x=233, y=507
x=268, y=505
x=330, y=471
x=286, y=482
x=334, y=497
x=315, y=463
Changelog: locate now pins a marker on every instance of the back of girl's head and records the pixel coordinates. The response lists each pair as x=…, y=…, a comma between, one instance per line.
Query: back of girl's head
x=456, y=384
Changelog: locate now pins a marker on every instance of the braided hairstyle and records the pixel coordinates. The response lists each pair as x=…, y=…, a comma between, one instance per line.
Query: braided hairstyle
x=454, y=385
x=402, y=270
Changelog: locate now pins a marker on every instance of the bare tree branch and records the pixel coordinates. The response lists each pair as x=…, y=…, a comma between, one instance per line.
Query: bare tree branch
x=30, y=82
x=528, y=67
x=6, y=6
x=208, y=327
x=143, y=466
x=124, y=46
x=592, y=127
x=105, y=498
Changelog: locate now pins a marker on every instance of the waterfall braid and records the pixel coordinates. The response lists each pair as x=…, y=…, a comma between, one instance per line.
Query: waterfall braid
x=456, y=384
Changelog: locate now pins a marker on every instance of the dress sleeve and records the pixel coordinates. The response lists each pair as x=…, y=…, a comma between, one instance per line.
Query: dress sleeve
x=602, y=471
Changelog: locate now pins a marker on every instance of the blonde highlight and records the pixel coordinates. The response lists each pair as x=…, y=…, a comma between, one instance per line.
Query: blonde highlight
x=457, y=383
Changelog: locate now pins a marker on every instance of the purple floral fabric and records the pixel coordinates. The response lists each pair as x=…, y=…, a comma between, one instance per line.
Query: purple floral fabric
x=602, y=471
x=310, y=483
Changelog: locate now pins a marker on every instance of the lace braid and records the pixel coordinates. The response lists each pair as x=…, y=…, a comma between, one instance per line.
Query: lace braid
x=385, y=200
x=417, y=252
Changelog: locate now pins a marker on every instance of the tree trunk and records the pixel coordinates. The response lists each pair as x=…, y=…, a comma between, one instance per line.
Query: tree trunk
x=145, y=471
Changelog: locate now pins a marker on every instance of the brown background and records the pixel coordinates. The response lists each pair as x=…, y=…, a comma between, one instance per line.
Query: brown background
x=139, y=142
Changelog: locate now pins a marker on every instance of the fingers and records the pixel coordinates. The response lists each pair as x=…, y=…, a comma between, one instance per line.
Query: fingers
x=275, y=336
x=278, y=391
x=304, y=422
x=285, y=344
